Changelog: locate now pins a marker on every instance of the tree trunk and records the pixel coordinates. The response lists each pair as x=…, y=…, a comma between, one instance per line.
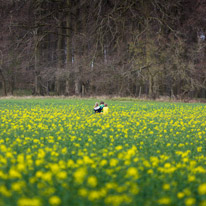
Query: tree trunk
x=3, y=83
x=77, y=86
x=140, y=91
x=12, y=83
x=76, y=65
x=83, y=90
x=68, y=44
x=150, y=85
x=155, y=86
x=36, y=69
x=36, y=84
x=59, y=60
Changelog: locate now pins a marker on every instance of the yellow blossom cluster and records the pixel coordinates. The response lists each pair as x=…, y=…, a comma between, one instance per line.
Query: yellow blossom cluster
x=58, y=152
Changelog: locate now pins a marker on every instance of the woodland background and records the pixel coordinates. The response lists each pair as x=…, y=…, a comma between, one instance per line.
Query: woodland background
x=139, y=48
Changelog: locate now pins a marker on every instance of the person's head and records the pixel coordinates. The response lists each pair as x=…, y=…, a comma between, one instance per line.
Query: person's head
x=96, y=104
x=105, y=105
x=101, y=102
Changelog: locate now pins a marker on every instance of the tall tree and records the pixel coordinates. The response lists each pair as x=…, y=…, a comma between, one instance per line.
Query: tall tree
x=68, y=47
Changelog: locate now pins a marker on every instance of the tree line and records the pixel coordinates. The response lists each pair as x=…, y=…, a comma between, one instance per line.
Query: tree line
x=134, y=48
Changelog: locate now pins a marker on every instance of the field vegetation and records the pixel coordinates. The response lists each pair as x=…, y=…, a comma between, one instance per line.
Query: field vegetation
x=58, y=152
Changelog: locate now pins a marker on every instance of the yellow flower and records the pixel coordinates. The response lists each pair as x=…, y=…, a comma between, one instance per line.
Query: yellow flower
x=39, y=174
x=103, y=162
x=164, y=201
x=132, y=172
x=117, y=200
x=199, y=149
x=54, y=200
x=82, y=192
x=79, y=175
x=54, y=168
x=70, y=163
x=180, y=195
x=87, y=160
x=119, y=147
x=62, y=175
x=167, y=165
x=14, y=174
x=64, y=150
x=17, y=186
x=21, y=167
x=191, y=178
x=47, y=176
x=166, y=186
x=28, y=201
x=92, y=181
x=5, y=191
x=150, y=171
x=190, y=201
x=113, y=162
x=94, y=195
x=202, y=189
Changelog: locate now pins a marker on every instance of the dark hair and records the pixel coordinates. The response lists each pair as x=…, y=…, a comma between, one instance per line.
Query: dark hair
x=101, y=102
x=106, y=105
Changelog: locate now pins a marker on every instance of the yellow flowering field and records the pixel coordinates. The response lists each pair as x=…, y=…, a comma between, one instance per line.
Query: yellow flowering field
x=58, y=152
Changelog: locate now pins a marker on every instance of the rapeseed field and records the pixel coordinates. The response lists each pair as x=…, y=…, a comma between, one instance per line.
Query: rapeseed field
x=58, y=152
